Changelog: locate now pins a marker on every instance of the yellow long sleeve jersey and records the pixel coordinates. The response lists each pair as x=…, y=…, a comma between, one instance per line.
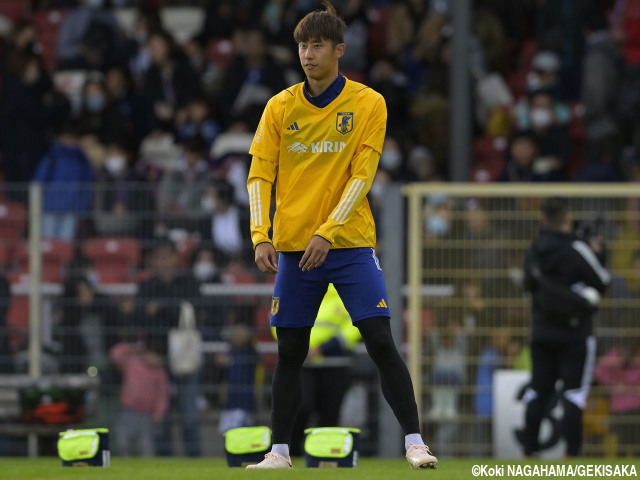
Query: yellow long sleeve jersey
x=325, y=160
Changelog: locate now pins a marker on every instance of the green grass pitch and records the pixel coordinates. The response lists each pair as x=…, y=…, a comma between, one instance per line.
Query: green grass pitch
x=210, y=469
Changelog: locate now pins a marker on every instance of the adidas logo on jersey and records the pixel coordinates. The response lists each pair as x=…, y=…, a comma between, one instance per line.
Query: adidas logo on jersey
x=382, y=304
x=293, y=126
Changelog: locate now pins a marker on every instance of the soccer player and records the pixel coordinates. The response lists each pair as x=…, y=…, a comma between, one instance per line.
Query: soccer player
x=322, y=139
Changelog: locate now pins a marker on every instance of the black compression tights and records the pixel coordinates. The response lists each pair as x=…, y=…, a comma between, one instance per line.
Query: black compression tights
x=293, y=345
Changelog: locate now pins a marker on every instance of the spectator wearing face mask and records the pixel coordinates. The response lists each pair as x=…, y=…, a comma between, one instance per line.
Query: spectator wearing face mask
x=99, y=115
x=438, y=217
x=123, y=203
x=548, y=122
x=205, y=266
x=391, y=157
x=544, y=71
x=206, y=269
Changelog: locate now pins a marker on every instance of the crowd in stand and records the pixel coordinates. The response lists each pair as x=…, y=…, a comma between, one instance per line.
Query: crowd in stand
x=140, y=128
x=141, y=100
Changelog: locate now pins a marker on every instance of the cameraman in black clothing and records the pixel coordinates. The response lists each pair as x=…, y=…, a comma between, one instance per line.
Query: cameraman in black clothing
x=566, y=277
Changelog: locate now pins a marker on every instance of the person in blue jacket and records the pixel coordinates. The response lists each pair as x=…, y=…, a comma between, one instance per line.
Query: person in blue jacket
x=67, y=177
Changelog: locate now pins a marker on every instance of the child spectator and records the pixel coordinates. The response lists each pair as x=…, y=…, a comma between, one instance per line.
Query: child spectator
x=195, y=119
x=241, y=362
x=144, y=397
x=547, y=120
x=124, y=206
x=524, y=164
x=68, y=180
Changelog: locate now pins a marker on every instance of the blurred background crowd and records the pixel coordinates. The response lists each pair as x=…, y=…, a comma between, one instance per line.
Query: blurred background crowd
x=175, y=85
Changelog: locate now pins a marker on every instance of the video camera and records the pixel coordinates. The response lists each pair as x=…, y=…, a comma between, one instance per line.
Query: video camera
x=587, y=229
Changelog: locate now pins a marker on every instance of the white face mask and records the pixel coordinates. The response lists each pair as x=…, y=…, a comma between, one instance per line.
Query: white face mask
x=437, y=225
x=208, y=203
x=541, y=117
x=115, y=164
x=93, y=278
x=204, y=270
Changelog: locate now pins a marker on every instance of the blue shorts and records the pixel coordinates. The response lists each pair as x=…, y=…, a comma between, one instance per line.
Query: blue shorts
x=356, y=274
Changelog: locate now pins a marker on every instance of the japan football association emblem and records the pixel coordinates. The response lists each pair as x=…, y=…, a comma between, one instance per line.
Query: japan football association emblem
x=344, y=122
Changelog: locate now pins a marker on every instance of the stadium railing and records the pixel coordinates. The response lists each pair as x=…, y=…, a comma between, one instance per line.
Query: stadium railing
x=460, y=295
x=472, y=237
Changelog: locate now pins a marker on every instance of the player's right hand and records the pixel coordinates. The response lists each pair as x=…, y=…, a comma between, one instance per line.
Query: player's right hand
x=266, y=258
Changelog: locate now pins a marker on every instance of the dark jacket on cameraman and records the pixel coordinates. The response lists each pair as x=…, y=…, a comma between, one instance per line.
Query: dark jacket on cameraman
x=566, y=261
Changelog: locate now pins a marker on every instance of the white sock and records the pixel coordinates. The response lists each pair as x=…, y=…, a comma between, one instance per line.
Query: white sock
x=281, y=449
x=412, y=439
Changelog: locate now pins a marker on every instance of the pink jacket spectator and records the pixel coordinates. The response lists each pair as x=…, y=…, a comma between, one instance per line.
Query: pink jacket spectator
x=145, y=386
x=623, y=380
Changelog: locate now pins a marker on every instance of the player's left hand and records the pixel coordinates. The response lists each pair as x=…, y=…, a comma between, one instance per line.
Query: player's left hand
x=315, y=253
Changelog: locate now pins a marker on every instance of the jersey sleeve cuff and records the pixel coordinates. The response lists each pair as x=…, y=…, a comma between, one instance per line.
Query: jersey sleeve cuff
x=261, y=242
x=322, y=236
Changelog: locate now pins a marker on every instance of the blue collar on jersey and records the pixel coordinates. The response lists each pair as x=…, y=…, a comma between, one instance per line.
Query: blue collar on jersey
x=329, y=95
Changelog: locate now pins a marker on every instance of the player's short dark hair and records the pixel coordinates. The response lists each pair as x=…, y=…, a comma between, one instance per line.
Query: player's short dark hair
x=554, y=211
x=321, y=25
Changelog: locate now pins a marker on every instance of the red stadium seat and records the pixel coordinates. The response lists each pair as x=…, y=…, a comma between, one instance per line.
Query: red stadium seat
x=115, y=259
x=240, y=276
x=355, y=75
x=5, y=254
x=517, y=79
x=379, y=18
x=488, y=159
x=56, y=255
x=220, y=51
x=14, y=9
x=185, y=247
x=261, y=321
x=13, y=219
x=18, y=321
